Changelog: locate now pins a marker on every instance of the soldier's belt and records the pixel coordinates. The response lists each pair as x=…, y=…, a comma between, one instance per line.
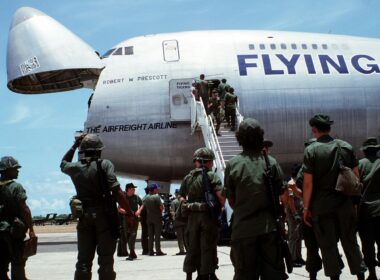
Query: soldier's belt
x=197, y=206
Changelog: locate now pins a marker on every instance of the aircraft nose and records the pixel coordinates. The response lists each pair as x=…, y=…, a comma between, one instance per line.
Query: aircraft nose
x=23, y=14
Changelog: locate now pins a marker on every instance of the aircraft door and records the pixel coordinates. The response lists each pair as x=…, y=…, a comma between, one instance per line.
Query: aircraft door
x=171, y=51
x=180, y=99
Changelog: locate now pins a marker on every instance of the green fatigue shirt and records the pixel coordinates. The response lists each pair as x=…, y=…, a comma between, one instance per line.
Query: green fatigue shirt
x=87, y=182
x=175, y=208
x=192, y=188
x=134, y=202
x=244, y=179
x=365, y=166
x=370, y=205
x=11, y=194
x=230, y=101
x=222, y=90
x=322, y=161
x=215, y=106
x=152, y=203
x=204, y=87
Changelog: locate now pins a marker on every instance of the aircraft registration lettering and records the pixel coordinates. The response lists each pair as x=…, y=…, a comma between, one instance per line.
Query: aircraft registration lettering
x=131, y=127
x=361, y=63
x=29, y=65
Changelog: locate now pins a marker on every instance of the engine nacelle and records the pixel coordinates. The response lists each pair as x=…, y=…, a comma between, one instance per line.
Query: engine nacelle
x=43, y=56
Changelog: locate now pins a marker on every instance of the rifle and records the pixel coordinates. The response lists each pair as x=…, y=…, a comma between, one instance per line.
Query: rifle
x=110, y=207
x=280, y=226
x=211, y=199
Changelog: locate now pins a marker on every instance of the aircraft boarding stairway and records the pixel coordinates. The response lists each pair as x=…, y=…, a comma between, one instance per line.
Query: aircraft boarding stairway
x=224, y=146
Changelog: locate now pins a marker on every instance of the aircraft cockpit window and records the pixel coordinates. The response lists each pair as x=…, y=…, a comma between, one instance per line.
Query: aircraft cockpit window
x=324, y=46
x=119, y=51
x=294, y=46
x=314, y=46
x=262, y=47
x=251, y=46
x=273, y=46
x=107, y=54
x=283, y=46
x=304, y=46
x=128, y=50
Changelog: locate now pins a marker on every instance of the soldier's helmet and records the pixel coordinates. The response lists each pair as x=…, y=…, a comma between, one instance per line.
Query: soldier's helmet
x=8, y=162
x=203, y=154
x=91, y=142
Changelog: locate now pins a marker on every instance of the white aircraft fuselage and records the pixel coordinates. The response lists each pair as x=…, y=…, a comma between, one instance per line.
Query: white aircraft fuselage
x=141, y=109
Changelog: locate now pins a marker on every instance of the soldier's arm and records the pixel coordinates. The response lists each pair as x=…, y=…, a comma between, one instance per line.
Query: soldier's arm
x=27, y=217
x=307, y=193
x=70, y=153
x=228, y=186
x=120, y=198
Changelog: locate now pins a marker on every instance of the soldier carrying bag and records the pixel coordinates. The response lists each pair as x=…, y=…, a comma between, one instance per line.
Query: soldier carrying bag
x=286, y=255
x=348, y=183
x=210, y=198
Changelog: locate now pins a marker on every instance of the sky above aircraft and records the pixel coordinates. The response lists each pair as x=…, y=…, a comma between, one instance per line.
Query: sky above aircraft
x=38, y=129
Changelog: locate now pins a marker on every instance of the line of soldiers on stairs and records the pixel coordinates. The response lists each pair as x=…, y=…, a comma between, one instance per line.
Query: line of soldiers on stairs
x=253, y=185
x=219, y=100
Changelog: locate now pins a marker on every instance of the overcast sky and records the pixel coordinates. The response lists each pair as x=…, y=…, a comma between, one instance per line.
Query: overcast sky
x=38, y=129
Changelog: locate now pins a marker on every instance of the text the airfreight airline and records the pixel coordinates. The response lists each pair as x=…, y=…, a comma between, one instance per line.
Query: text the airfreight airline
x=279, y=64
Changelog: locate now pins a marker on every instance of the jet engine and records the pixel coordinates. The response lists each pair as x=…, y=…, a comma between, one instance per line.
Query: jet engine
x=43, y=56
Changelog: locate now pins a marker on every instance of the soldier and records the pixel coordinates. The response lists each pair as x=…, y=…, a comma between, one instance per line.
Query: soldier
x=266, y=145
x=144, y=226
x=214, y=107
x=369, y=209
x=15, y=221
x=222, y=89
x=179, y=223
x=135, y=203
x=230, y=101
x=254, y=242
x=202, y=226
x=204, y=90
x=95, y=230
x=154, y=207
x=331, y=214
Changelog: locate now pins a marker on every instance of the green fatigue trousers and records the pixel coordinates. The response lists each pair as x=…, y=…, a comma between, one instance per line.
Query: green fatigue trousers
x=369, y=231
x=154, y=231
x=94, y=234
x=313, y=260
x=181, y=238
x=11, y=252
x=144, y=232
x=338, y=225
x=295, y=234
x=122, y=242
x=201, y=254
x=258, y=258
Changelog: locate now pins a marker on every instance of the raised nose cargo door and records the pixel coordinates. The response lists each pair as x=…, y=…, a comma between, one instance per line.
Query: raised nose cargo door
x=44, y=56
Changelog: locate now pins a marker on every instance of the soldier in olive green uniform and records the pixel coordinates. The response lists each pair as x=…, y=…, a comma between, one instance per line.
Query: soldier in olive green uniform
x=179, y=223
x=230, y=102
x=254, y=242
x=135, y=203
x=154, y=207
x=204, y=90
x=214, y=107
x=15, y=221
x=369, y=209
x=331, y=214
x=222, y=88
x=94, y=230
x=202, y=227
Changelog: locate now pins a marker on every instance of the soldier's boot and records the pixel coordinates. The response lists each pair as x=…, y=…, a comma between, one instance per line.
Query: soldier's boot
x=217, y=129
x=133, y=254
x=82, y=275
x=337, y=277
x=189, y=276
x=213, y=276
x=313, y=276
x=4, y=276
x=372, y=273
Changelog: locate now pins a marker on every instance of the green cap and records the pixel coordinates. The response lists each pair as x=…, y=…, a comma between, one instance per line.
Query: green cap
x=248, y=123
x=267, y=143
x=204, y=154
x=370, y=142
x=8, y=162
x=320, y=119
x=91, y=142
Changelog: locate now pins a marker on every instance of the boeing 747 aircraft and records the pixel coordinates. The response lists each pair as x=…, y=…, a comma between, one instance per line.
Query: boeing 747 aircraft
x=142, y=101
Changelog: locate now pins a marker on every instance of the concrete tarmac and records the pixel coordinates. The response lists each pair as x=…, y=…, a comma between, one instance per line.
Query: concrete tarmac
x=57, y=254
